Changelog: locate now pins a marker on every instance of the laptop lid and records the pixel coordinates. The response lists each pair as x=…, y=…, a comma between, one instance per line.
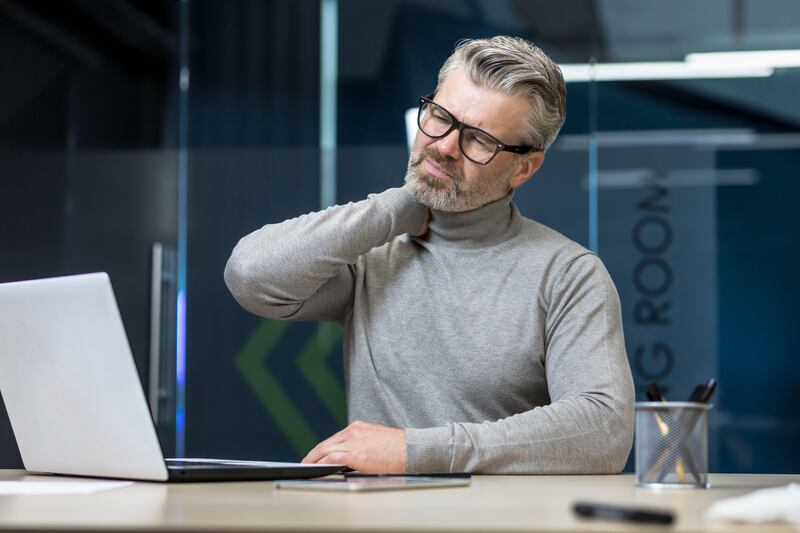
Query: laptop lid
x=69, y=382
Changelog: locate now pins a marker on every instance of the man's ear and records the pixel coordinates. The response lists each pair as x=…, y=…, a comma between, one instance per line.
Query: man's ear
x=528, y=167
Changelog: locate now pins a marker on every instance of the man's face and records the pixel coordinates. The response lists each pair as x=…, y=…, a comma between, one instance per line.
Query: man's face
x=439, y=175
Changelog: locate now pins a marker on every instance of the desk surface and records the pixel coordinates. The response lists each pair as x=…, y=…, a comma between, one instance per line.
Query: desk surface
x=491, y=503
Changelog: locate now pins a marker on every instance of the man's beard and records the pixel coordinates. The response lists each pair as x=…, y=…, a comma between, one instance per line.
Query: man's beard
x=447, y=195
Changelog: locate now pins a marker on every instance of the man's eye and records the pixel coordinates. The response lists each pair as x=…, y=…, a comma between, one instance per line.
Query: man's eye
x=481, y=142
x=438, y=115
x=484, y=143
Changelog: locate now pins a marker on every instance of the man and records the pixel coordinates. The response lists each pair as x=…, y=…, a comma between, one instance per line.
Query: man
x=474, y=339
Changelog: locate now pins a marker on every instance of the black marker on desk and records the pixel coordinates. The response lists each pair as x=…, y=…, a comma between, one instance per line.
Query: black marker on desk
x=623, y=514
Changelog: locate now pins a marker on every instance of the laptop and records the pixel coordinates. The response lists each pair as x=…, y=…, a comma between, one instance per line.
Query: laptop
x=73, y=394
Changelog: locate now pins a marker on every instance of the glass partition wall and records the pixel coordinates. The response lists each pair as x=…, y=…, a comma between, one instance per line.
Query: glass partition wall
x=695, y=181
x=652, y=171
x=676, y=166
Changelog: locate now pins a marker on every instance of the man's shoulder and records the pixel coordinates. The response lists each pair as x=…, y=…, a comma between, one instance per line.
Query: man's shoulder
x=563, y=262
x=544, y=241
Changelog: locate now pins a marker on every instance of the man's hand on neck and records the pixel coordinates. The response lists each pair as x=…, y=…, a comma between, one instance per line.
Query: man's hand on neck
x=424, y=228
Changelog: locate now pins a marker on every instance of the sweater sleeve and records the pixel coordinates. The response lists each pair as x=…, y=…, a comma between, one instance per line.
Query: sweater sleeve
x=301, y=269
x=588, y=426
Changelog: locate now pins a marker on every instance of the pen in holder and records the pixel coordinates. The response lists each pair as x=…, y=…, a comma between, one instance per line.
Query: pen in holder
x=672, y=444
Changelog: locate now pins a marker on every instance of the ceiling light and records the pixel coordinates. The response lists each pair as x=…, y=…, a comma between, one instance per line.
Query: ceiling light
x=750, y=58
x=659, y=70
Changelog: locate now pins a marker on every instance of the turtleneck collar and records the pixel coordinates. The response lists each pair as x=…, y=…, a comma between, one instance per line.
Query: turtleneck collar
x=489, y=224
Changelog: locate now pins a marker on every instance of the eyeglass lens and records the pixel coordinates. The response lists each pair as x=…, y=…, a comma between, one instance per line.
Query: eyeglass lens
x=477, y=145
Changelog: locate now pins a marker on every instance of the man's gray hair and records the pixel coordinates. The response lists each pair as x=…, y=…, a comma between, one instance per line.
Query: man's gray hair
x=516, y=67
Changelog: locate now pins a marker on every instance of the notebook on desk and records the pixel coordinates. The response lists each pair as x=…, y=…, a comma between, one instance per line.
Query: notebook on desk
x=73, y=394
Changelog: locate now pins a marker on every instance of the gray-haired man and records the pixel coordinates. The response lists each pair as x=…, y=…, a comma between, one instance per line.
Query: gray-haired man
x=474, y=339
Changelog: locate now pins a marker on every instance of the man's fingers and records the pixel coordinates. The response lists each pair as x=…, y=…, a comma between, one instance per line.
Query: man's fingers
x=315, y=453
x=309, y=458
x=336, y=458
x=323, y=448
x=336, y=439
x=327, y=455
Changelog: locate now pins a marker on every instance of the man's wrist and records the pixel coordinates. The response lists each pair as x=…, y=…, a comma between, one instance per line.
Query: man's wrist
x=429, y=450
x=408, y=216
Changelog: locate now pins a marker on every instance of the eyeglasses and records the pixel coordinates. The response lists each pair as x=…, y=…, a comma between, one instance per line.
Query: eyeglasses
x=476, y=145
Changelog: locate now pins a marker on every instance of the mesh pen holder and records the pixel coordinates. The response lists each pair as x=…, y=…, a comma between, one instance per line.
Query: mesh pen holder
x=672, y=444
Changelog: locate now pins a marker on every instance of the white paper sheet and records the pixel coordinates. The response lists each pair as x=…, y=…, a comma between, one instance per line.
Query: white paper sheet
x=765, y=505
x=33, y=487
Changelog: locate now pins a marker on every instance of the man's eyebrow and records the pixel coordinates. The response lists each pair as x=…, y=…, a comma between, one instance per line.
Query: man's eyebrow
x=480, y=126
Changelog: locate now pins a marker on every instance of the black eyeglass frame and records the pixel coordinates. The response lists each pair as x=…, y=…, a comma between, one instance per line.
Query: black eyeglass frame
x=460, y=126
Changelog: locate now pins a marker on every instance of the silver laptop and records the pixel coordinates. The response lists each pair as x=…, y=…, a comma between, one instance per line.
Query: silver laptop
x=73, y=395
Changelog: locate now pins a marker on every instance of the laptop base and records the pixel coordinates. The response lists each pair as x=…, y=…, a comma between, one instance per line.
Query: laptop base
x=199, y=472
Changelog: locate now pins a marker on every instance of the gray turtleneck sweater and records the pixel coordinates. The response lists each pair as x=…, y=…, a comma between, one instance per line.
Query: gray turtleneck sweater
x=494, y=341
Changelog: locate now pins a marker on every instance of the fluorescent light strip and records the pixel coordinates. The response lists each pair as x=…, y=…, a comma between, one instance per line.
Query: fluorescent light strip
x=750, y=58
x=657, y=70
x=671, y=137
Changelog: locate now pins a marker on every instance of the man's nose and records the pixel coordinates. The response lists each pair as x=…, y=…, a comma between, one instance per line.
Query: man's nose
x=448, y=145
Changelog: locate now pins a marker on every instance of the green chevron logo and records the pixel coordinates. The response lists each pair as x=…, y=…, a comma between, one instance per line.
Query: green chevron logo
x=251, y=362
x=312, y=364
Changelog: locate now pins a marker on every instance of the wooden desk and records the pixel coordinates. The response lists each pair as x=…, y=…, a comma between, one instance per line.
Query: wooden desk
x=492, y=503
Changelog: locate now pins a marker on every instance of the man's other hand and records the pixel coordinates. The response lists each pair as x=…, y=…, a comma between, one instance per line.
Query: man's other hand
x=424, y=228
x=369, y=448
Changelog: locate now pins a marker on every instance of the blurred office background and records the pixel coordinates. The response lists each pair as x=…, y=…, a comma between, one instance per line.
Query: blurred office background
x=144, y=138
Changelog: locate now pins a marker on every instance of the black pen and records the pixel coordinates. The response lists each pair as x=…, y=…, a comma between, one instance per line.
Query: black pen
x=654, y=393
x=624, y=514
x=702, y=393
